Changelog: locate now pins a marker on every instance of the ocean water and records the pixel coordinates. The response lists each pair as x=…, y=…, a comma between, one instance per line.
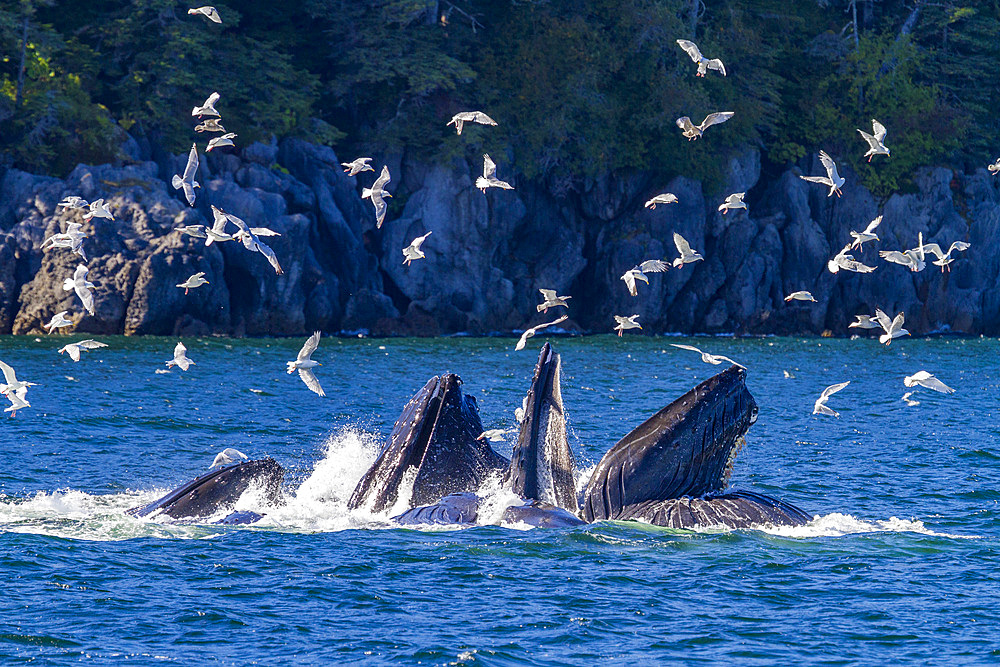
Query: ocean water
x=900, y=564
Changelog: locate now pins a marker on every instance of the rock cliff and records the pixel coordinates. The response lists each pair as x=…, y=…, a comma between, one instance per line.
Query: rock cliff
x=489, y=253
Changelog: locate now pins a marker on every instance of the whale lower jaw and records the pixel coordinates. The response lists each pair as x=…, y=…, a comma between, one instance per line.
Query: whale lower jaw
x=737, y=509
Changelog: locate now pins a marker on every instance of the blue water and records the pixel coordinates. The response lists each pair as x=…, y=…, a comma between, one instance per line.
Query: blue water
x=900, y=564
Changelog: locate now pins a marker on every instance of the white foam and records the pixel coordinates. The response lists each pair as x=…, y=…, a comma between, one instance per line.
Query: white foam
x=837, y=524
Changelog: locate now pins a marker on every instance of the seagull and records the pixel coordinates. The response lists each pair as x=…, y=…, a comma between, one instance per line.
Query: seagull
x=187, y=181
x=250, y=241
x=489, y=179
x=703, y=63
x=98, y=209
x=208, y=12
x=357, y=166
x=684, y=248
x=470, y=117
x=304, y=364
x=529, y=333
x=197, y=280
x=843, y=260
x=909, y=401
x=800, y=296
x=819, y=408
x=180, y=358
x=944, y=259
x=377, y=193
x=832, y=178
x=550, y=300
x=893, y=328
x=494, y=434
x=81, y=286
x=74, y=349
x=413, y=251
x=994, y=168
x=228, y=456
x=928, y=381
x=692, y=131
x=788, y=376
x=73, y=202
x=210, y=125
x=639, y=272
x=626, y=323
x=733, y=202
x=12, y=383
x=73, y=239
x=221, y=142
x=58, y=321
x=714, y=359
x=867, y=235
x=875, y=140
x=913, y=258
x=665, y=198
x=197, y=231
x=217, y=232
x=864, y=322
x=208, y=108
x=17, y=400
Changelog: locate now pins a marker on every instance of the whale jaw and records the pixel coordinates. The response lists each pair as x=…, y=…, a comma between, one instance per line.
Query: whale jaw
x=435, y=440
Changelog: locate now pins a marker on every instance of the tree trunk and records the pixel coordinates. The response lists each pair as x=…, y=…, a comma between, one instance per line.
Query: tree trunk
x=20, y=70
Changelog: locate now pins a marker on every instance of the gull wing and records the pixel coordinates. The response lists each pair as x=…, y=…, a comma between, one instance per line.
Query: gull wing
x=684, y=122
x=548, y=294
x=91, y=344
x=382, y=179
x=239, y=222
x=271, y=257
x=894, y=256
x=833, y=389
x=380, y=208
x=879, y=130
x=212, y=99
x=8, y=373
x=686, y=347
x=310, y=379
x=691, y=49
x=830, y=166
x=533, y=330
x=73, y=350
x=489, y=167
x=717, y=65
x=933, y=383
x=220, y=218
x=897, y=324
x=715, y=118
x=309, y=347
x=934, y=249
x=823, y=180
x=873, y=224
x=482, y=119
x=960, y=246
x=629, y=278
x=263, y=231
x=419, y=240
x=192, y=164
x=872, y=141
x=883, y=320
x=653, y=266
x=683, y=247
x=179, y=351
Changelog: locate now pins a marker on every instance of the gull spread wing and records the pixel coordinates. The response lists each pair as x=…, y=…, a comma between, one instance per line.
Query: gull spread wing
x=683, y=247
x=192, y=164
x=310, y=379
x=548, y=294
x=684, y=122
x=653, y=266
x=833, y=389
x=8, y=373
x=715, y=118
x=879, y=131
x=883, y=320
x=309, y=347
x=629, y=278
x=873, y=224
x=489, y=167
x=382, y=179
x=691, y=49
x=830, y=166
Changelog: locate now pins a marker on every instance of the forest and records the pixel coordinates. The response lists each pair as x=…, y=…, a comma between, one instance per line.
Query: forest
x=579, y=87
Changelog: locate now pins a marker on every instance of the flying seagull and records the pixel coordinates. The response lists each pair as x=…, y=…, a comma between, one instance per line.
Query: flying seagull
x=74, y=349
x=81, y=286
x=221, y=142
x=944, y=259
x=714, y=359
x=357, y=166
x=489, y=179
x=665, y=198
x=684, y=248
x=733, y=202
x=58, y=321
x=251, y=242
x=864, y=322
x=72, y=239
x=550, y=300
x=470, y=117
x=304, y=364
x=875, y=140
x=529, y=333
x=703, y=63
x=197, y=280
x=413, y=251
x=73, y=202
x=217, y=232
x=208, y=108
x=209, y=125
x=180, y=358
x=913, y=258
x=994, y=168
x=893, y=328
x=626, y=323
x=802, y=295
x=867, y=235
x=228, y=456
x=11, y=383
x=832, y=179
x=692, y=131
x=639, y=272
x=377, y=194
x=820, y=406
x=925, y=379
x=208, y=12
x=186, y=181
x=846, y=261
x=98, y=209
x=17, y=400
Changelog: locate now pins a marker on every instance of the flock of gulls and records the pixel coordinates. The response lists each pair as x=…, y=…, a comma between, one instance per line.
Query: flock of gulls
x=210, y=120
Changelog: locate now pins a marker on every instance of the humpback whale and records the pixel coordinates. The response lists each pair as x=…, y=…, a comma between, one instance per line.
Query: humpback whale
x=217, y=490
x=672, y=470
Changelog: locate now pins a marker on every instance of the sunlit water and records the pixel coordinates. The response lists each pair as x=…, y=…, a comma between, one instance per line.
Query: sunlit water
x=901, y=563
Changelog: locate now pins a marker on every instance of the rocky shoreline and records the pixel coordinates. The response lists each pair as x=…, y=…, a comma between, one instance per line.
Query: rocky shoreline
x=489, y=253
